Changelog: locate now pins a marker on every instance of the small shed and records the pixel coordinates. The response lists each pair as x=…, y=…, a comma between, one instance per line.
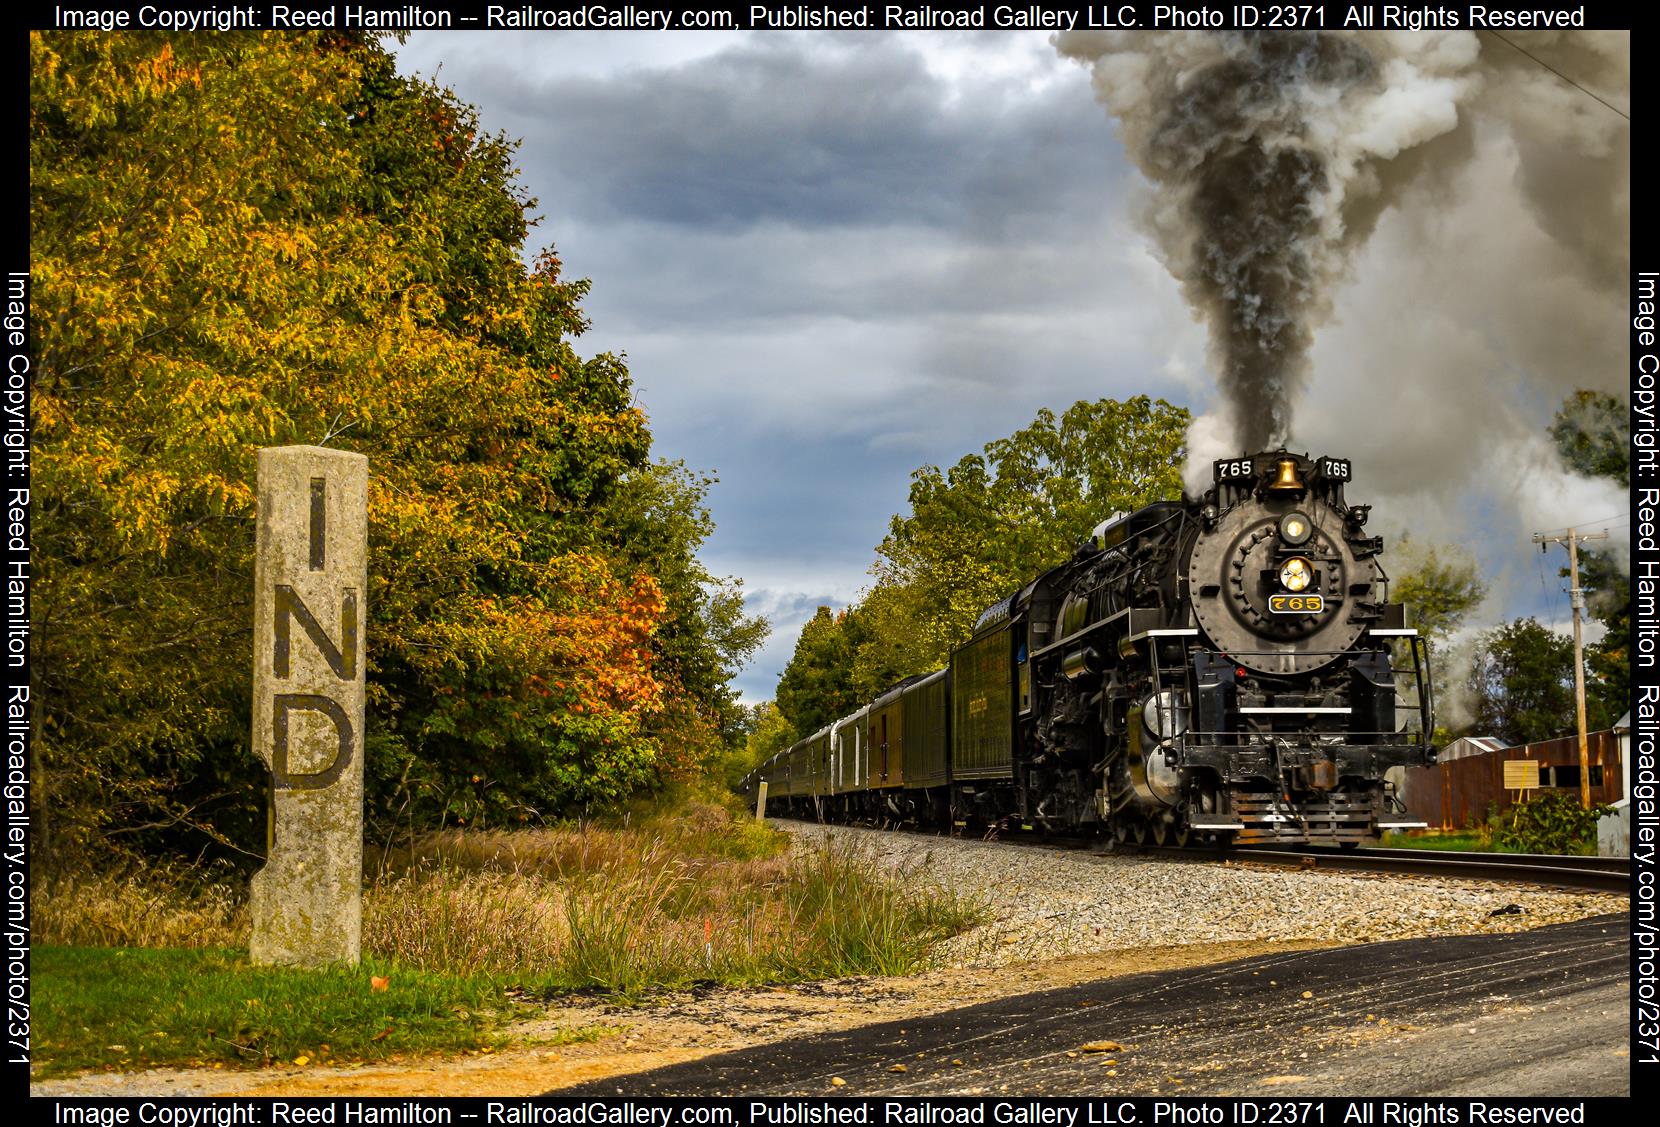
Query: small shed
x=1614, y=830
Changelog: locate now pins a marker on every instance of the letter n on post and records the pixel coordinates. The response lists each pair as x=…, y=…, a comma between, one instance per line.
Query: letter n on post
x=310, y=579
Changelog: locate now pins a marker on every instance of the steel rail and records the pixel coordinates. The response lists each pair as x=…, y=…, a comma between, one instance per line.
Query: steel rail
x=1588, y=874
x=1594, y=874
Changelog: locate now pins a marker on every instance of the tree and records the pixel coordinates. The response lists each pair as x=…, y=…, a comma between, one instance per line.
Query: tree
x=769, y=733
x=246, y=240
x=1592, y=432
x=658, y=520
x=978, y=531
x=1521, y=683
x=817, y=685
x=1440, y=587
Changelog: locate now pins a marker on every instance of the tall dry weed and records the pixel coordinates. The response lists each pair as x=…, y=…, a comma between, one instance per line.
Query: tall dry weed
x=628, y=910
x=160, y=908
x=649, y=907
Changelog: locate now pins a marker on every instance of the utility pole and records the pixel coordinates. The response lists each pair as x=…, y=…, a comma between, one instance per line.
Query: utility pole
x=1576, y=598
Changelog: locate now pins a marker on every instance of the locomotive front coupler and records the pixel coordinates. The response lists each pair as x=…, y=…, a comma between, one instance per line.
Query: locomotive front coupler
x=1304, y=766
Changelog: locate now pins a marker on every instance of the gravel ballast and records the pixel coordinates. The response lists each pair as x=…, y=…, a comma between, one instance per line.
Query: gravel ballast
x=1052, y=903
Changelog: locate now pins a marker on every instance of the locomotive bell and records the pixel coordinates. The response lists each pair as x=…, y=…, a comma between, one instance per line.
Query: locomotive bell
x=1286, y=480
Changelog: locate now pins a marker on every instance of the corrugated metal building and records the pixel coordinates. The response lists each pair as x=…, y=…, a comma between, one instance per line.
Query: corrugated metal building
x=1469, y=779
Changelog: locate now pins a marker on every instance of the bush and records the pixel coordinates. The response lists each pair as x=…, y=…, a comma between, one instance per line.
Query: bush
x=1554, y=822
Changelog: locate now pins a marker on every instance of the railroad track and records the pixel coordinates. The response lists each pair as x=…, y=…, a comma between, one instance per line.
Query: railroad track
x=1590, y=874
x=1593, y=874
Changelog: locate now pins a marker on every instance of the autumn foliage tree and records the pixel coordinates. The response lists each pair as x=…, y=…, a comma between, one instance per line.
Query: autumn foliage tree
x=250, y=240
x=657, y=520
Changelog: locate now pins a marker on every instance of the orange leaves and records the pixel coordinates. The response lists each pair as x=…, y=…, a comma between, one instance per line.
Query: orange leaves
x=606, y=647
x=571, y=661
x=238, y=248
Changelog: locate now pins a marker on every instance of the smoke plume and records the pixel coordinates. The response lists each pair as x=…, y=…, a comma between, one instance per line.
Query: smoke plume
x=1457, y=230
x=1273, y=155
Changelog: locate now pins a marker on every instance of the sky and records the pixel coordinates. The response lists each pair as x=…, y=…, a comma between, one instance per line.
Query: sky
x=831, y=258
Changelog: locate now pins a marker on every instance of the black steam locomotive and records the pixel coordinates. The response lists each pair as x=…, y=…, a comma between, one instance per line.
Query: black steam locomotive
x=1222, y=670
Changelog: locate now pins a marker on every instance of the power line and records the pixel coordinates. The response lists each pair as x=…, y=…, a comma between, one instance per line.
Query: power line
x=1616, y=519
x=1553, y=604
x=1558, y=73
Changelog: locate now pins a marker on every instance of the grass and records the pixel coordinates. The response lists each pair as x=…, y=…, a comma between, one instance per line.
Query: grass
x=149, y=968
x=156, y=907
x=132, y=1007
x=1461, y=841
x=1471, y=841
x=632, y=911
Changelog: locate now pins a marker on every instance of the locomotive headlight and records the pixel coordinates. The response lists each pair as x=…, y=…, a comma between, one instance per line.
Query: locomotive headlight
x=1296, y=573
x=1295, y=528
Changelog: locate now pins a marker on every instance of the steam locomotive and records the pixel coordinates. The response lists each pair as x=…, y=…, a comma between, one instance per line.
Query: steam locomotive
x=1221, y=670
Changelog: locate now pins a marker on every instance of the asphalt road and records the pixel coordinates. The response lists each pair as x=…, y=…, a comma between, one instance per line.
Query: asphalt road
x=1540, y=1012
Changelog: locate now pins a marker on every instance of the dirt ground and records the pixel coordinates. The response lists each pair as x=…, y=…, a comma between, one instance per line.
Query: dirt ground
x=670, y=1030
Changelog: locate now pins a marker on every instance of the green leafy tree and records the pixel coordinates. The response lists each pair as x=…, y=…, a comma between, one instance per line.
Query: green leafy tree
x=769, y=733
x=1520, y=683
x=1440, y=586
x=817, y=685
x=981, y=529
x=1592, y=432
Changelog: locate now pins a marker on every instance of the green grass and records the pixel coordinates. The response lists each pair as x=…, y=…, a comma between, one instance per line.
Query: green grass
x=119, y=1007
x=856, y=920
x=138, y=969
x=1470, y=842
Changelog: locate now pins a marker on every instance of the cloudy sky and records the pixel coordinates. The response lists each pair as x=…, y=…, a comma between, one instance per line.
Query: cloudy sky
x=832, y=258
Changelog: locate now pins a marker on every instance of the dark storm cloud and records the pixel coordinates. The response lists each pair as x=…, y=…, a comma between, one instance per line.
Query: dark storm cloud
x=828, y=261
x=781, y=130
x=832, y=259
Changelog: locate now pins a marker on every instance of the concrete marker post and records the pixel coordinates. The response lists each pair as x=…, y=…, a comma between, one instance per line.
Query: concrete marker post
x=310, y=583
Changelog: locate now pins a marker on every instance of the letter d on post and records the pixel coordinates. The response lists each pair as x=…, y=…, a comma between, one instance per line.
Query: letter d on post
x=310, y=582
